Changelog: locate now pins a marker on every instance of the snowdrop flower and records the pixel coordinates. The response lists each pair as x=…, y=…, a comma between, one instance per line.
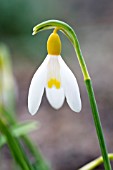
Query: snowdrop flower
x=56, y=78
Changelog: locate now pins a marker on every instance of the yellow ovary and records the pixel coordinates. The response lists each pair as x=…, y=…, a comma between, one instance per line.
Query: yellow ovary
x=53, y=82
x=54, y=44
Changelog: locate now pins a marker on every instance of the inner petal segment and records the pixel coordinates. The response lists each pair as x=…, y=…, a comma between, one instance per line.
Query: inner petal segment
x=53, y=73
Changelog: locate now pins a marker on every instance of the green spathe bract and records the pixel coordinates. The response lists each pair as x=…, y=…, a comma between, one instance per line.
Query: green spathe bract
x=69, y=32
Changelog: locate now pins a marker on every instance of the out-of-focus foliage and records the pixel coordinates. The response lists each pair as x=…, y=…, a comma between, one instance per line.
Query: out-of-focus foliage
x=17, y=18
x=11, y=132
x=7, y=81
x=14, y=17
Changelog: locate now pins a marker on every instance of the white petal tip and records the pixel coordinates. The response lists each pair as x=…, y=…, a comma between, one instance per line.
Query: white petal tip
x=77, y=109
x=55, y=97
x=56, y=108
x=31, y=111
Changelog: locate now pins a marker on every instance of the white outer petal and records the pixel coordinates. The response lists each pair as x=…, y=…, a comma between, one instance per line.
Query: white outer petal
x=37, y=85
x=55, y=97
x=70, y=85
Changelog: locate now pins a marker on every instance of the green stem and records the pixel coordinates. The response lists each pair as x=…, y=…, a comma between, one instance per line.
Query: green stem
x=93, y=104
x=93, y=164
x=97, y=124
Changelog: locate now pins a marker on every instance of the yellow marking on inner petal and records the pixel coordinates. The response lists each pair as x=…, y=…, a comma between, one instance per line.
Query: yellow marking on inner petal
x=50, y=83
x=57, y=84
x=54, y=44
x=54, y=82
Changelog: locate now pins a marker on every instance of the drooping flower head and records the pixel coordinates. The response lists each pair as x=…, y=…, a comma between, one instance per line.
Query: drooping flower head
x=56, y=78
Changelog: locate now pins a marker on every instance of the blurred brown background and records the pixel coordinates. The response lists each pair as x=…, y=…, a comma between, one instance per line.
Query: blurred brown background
x=66, y=139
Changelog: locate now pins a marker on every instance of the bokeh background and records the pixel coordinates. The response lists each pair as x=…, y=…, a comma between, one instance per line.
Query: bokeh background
x=66, y=139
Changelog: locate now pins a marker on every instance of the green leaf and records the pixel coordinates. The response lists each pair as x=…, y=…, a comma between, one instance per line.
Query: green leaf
x=16, y=149
x=19, y=130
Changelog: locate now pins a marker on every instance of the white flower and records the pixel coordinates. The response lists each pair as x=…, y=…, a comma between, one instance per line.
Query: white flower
x=56, y=78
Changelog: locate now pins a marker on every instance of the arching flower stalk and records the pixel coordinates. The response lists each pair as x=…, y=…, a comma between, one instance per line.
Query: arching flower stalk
x=75, y=105
x=57, y=79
